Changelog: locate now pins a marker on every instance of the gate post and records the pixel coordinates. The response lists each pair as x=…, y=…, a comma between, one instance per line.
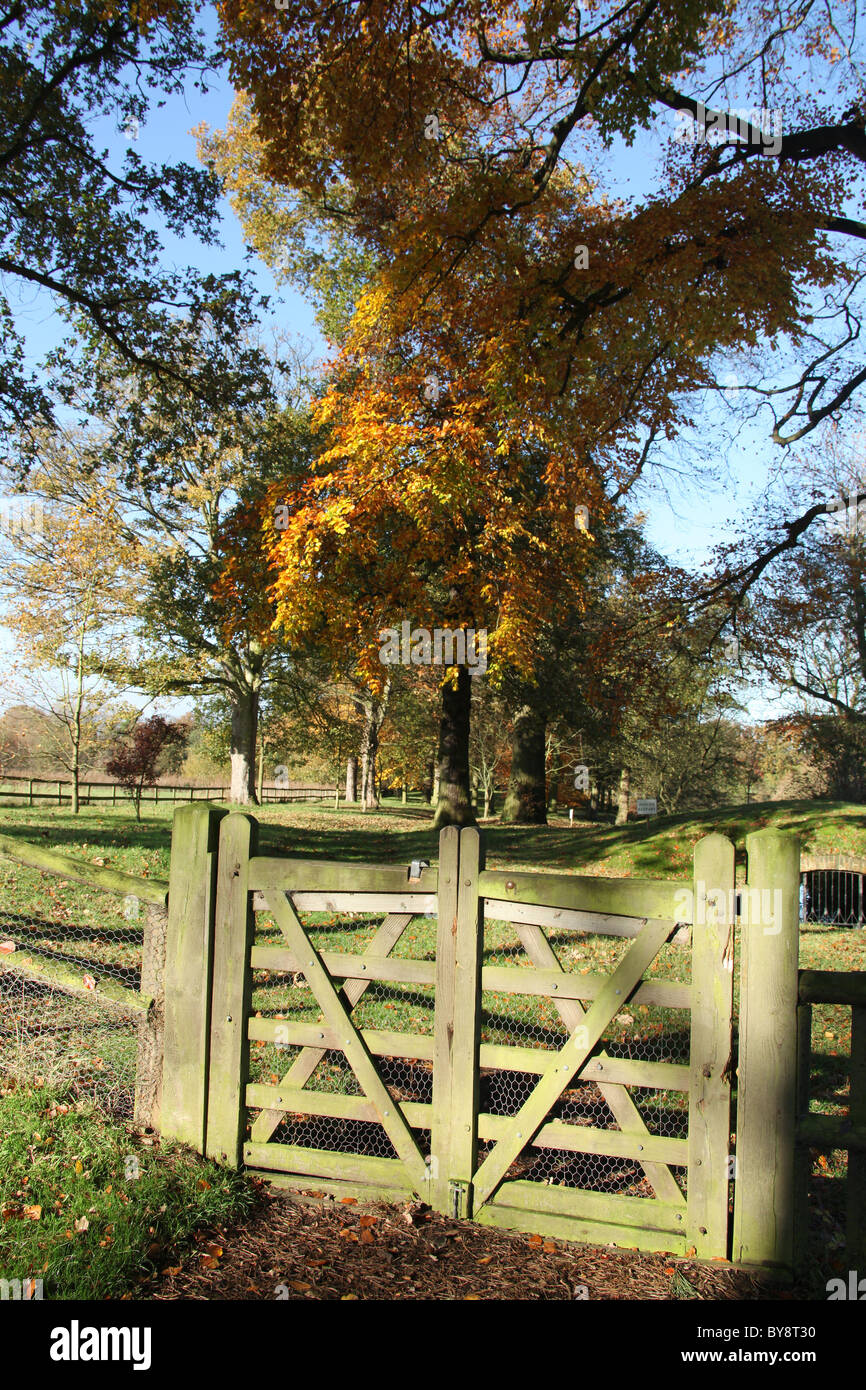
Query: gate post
x=456, y=1079
x=767, y=1072
x=189, y=944
x=443, y=1019
x=234, y=928
x=711, y=1047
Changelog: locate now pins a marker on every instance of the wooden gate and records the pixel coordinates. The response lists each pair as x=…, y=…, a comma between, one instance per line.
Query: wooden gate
x=561, y=1056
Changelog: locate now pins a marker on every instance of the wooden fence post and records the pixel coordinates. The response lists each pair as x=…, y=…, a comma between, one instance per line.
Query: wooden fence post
x=767, y=1072
x=151, y=1029
x=802, y=1152
x=856, y=1180
x=234, y=928
x=443, y=1018
x=466, y=1076
x=189, y=949
x=710, y=1047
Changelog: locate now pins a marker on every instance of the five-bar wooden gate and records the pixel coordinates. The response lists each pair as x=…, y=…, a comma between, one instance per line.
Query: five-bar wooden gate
x=521, y=1092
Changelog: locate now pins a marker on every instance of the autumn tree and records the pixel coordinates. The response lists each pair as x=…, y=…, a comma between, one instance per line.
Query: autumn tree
x=135, y=760
x=72, y=599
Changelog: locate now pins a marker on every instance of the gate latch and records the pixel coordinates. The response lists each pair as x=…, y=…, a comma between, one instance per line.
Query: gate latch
x=415, y=869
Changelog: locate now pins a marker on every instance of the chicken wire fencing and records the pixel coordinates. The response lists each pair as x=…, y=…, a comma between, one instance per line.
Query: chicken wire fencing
x=70, y=976
x=518, y=1024
x=383, y=1006
x=527, y=1023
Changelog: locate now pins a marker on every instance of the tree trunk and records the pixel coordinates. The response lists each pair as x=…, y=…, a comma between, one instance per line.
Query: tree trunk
x=454, y=801
x=261, y=780
x=245, y=718
x=429, y=779
x=623, y=797
x=526, y=799
x=352, y=778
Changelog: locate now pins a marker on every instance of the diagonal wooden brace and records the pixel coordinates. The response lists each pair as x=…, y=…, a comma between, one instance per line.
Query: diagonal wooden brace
x=308, y=1059
x=566, y=1063
x=616, y=1095
x=359, y=1058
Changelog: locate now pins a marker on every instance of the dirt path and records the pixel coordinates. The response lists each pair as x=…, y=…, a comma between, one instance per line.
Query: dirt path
x=322, y=1249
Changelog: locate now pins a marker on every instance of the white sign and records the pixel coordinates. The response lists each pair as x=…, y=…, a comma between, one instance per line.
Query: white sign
x=647, y=806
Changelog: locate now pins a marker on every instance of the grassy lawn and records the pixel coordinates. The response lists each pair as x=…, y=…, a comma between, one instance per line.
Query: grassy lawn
x=92, y=1208
x=89, y=927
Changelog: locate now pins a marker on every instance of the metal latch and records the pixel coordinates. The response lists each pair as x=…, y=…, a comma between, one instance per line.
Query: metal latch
x=458, y=1193
x=415, y=869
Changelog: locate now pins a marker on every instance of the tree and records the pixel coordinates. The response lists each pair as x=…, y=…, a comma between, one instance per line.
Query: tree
x=134, y=763
x=72, y=595
x=76, y=225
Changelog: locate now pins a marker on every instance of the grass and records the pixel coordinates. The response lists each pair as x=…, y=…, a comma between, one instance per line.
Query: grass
x=89, y=926
x=92, y=1208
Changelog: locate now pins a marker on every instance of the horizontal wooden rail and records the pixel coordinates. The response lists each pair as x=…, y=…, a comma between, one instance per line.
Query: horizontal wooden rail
x=349, y=967
x=833, y=987
x=831, y=1132
x=629, y=897
x=648, y=1212
x=152, y=890
x=418, y=1046
x=336, y=876
x=69, y=976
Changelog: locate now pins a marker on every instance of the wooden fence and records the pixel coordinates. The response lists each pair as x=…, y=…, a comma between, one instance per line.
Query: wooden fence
x=92, y=792
x=428, y=1095
x=442, y=1139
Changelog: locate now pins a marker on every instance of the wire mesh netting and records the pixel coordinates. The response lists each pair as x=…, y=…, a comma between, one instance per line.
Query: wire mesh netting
x=67, y=953
x=527, y=1022
x=639, y=1032
x=384, y=1006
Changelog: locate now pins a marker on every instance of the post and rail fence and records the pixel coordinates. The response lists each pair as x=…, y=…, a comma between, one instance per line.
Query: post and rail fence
x=570, y=1055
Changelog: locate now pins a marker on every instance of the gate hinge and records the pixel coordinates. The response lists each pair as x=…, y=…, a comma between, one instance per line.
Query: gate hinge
x=459, y=1194
x=415, y=869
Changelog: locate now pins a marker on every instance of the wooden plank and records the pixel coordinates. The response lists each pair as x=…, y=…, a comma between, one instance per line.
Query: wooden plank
x=628, y=897
x=351, y=1042
x=300, y=1100
x=344, y=966
x=831, y=1132
x=586, y=1232
x=318, y=1189
x=586, y=1139
x=659, y=1076
x=188, y=959
x=616, y=1097
x=856, y=1181
x=802, y=1153
x=325, y=1163
x=234, y=928
x=570, y=1059
x=465, y=1074
x=417, y=904
x=833, y=987
x=378, y=1041
x=334, y=876
x=767, y=1071
x=710, y=1047
x=303, y=1066
x=509, y=979
x=616, y=1207
x=69, y=977
x=443, y=1018
x=149, y=890
x=562, y=918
